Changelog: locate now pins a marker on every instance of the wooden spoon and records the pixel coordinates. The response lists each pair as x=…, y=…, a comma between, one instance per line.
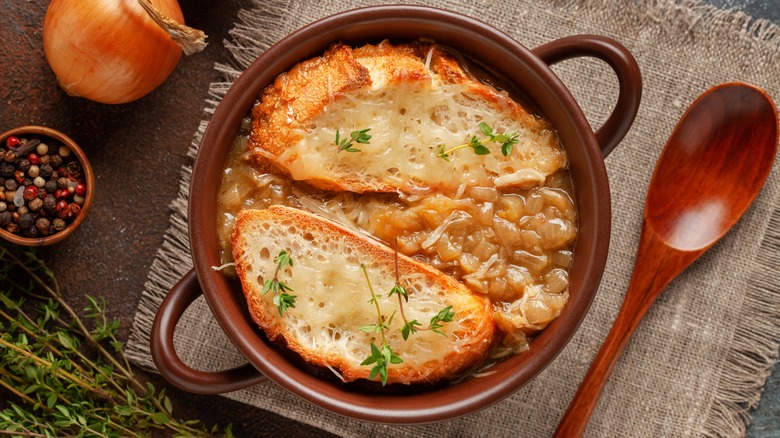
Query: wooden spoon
x=710, y=170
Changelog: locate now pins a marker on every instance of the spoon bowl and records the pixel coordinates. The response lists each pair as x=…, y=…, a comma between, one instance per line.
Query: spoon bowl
x=710, y=171
x=712, y=167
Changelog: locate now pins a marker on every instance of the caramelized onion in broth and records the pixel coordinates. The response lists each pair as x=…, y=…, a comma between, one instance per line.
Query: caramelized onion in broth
x=514, y=245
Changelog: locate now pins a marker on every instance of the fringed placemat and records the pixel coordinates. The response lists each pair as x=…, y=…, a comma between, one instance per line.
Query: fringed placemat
x=699, y=359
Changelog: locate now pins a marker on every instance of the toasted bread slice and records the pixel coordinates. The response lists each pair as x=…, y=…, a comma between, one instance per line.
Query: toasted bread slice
x=332, y=299
x=414, y=98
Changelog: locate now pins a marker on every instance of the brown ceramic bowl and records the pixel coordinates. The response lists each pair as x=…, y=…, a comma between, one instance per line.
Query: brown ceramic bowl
x=503, y=57
x=89, y=178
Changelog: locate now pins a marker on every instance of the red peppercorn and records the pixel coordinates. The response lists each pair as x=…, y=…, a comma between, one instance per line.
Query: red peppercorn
x=30, y=193
x=61, y=193
x=74, y=210
x=11, y=142
x=19, y=176
x=81, y=189
x=62, y=206
x=34, y=158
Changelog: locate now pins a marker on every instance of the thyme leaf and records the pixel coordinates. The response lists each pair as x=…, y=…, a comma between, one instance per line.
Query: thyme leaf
x=506, y=141
x=282, y=299
x=346, y=144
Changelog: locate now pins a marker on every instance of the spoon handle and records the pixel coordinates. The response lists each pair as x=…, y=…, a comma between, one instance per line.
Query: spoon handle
x=655, y=266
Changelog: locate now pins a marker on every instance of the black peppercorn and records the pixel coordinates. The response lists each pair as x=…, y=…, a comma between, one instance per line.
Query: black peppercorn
x=30, y=232
x=11, y=185
x=55, y=161
x=12, y=228
x=23, y=165
x=7, y=169
x=6, y=218
x=26, y=220
x=45, y=170
x=49, y=203
x=62, y=183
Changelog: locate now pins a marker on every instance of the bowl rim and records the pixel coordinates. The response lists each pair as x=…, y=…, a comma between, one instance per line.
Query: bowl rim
x=89, y=180
x=440, y=404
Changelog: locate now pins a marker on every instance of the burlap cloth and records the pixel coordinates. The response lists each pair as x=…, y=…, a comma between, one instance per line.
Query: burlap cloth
x=699, y=359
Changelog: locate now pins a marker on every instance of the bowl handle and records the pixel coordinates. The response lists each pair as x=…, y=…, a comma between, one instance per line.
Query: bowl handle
x=625, y=67
x=168, y=362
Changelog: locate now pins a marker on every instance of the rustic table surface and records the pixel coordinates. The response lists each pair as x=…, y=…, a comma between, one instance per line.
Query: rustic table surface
x=136, y=151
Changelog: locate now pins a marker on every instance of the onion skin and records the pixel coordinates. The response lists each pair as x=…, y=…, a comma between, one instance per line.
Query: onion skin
x=109, y=51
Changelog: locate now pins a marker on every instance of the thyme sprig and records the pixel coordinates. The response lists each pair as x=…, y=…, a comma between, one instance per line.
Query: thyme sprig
x=282, y=299
x=346, y=144
x=507, y=142
x=64, y=374
x=380, y=358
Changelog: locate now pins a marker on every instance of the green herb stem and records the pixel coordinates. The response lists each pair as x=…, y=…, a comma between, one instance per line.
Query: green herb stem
x=54, y=293
x=380, y=323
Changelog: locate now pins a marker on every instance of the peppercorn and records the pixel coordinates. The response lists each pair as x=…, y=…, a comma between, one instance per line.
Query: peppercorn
x=26, y=220
x=19, y=175
x=30, y=193
x=74, y=169
x=34, y=158
x=30, y=231
x=58, y=224
x=11, y=142
x=42, y=149
x=11, y=185
x=78, y=199
x=22, y=210
x=23, y=165
x=74, y=210
x=50, y=186
x=2, y=195
x=50, y=203
x=7, y=169
x=6, y=218
x=43, y=224
x=62, y=205
x=3, y=206
x=39, y=182
x=64, y=151
x=34, y=171
x=45, y=170
x=55, y=161
x=81, y=189
x=10, y=157
x=12, y=228
x=45, y=159
x=35, y=204
x=62, y=183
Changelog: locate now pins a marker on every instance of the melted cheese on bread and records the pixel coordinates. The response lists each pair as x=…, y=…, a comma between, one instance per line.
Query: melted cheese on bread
x=333, y=298
x=414, y=98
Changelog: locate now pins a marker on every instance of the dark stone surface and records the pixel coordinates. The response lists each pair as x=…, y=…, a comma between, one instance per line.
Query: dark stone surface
x=136, y=150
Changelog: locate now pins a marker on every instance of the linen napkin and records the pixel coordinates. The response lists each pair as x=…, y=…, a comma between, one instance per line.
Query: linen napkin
x=699, y=359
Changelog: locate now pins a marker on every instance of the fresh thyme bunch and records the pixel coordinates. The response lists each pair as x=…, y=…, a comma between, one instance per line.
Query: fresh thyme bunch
x=61, y=375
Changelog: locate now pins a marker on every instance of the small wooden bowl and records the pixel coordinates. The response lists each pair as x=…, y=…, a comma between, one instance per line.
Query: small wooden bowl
x=88, y=178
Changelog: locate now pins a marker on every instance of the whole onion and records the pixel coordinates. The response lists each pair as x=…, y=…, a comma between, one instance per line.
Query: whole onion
x=115, y=51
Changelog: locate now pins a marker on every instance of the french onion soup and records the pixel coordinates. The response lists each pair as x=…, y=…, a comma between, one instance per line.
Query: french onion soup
x=397, y=149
